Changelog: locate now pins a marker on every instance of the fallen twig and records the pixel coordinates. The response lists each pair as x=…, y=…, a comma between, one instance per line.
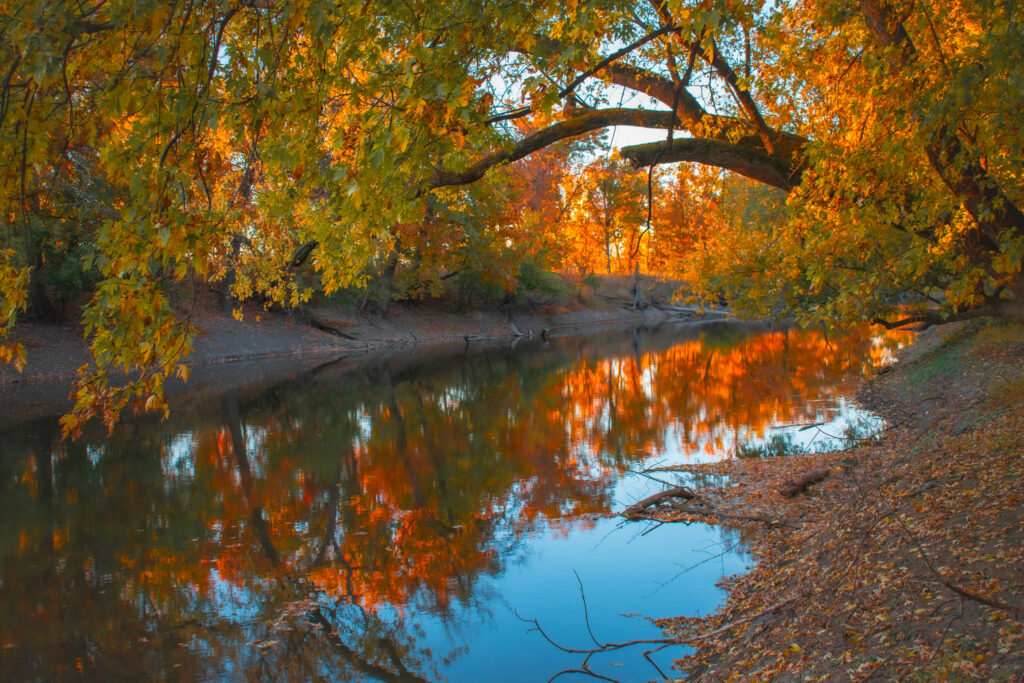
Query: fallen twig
x=962, y=592
x=675, y=492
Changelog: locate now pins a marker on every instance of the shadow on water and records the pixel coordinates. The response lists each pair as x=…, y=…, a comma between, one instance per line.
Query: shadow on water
x=386, y=519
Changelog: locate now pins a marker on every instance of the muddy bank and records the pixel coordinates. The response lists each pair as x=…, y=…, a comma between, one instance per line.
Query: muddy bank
x=276, y=346
x=906, y=562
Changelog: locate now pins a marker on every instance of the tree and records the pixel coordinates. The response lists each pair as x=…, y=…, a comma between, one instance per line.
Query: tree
x=237, y=138
x=685, y=215
x=607, y=218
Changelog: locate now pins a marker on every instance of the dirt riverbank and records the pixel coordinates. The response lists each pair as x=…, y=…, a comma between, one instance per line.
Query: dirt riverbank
x=277, y=345
x=907, y=561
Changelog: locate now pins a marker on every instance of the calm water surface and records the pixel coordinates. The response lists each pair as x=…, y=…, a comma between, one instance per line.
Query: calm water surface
x=394, y=520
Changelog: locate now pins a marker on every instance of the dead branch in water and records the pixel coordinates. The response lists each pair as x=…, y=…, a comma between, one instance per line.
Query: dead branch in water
x=642, y=509
x=675, y=492
x=712, y=513
x=663, y=642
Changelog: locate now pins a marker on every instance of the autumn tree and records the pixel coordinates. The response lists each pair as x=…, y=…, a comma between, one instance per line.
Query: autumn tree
x=607, y=218
x=734, y=255
x=543, y=188
x=686, y=212
x=245, y=140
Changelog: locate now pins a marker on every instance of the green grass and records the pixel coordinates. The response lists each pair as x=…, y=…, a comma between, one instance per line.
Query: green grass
x=946, y=356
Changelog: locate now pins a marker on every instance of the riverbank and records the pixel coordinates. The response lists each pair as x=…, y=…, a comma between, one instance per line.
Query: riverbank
x=907, y=561
x=278, y=345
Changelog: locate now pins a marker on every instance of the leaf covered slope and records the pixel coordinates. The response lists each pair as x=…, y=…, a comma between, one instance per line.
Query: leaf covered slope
x=907, y=563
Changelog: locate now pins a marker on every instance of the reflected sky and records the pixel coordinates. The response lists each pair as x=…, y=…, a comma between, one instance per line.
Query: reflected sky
x=388, y=519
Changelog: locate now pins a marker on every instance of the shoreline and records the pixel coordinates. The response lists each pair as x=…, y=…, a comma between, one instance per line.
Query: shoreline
x=278, y=345
x=907, y=559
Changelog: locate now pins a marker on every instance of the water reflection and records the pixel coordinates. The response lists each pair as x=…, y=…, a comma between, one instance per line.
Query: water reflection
x=375, y=521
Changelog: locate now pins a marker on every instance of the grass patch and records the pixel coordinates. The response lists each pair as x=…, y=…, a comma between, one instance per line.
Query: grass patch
x=946, y=356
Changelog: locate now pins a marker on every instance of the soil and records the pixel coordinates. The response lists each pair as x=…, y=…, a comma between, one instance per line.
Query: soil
x=907, y=561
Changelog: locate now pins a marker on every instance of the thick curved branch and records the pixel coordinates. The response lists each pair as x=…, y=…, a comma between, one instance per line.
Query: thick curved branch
x=722, y=67
x=691, y=114
x=579, y=125
x=701, y=124
x=752, y=163
x=662, y=89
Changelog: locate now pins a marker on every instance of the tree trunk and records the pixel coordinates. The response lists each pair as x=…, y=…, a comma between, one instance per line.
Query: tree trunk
x=225, y=297
x=634, y=289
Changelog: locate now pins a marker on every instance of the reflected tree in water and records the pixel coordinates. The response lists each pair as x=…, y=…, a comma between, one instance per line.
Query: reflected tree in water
x=293, y=531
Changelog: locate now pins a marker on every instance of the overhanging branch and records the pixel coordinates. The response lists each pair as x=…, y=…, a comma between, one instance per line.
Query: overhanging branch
x=752, y=163
x=994, y=307
x=579, y=125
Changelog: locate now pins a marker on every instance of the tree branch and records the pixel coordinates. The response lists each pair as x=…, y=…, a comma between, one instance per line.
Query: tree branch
x=614, y=56
x=579, y=125
x=746, y=100
x=750, y=162
x=995, y=307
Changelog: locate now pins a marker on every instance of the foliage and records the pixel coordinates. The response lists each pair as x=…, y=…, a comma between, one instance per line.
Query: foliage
x=878, y=215
x=144, y=145
x=550, y=285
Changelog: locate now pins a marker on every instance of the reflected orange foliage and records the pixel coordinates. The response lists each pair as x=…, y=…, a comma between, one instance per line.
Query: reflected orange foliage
x=404, y=489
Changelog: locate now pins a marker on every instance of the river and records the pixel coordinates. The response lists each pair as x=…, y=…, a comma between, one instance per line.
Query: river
x=401, y=518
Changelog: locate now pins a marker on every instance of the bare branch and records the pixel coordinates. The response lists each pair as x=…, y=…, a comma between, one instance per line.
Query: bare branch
x=962, y=592
x=586, y=613
x=510, y=115
x=692, y=640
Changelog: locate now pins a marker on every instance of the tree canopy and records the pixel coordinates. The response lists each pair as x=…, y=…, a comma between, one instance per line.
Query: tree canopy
x=149, y=144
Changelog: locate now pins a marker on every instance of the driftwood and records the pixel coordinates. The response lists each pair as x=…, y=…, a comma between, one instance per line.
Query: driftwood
x=675, y=492
x=673, y=499
x=711, y=513
x=800, y=484
x=678, y=309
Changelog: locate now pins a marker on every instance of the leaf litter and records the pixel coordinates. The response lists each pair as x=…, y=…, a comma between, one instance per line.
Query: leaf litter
x=906, y=562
